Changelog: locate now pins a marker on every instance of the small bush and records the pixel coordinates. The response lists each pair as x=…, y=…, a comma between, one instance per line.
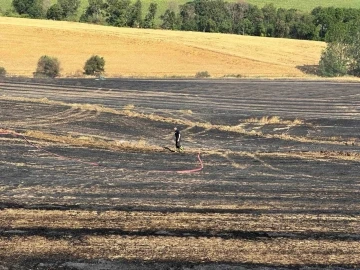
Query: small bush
x=10, y=13
x=233, y=76
x=94, y=65
x=202, y=74
x=2, y=72
x=48, y=67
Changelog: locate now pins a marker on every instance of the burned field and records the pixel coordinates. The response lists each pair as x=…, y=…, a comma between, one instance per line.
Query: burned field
x=88, y=182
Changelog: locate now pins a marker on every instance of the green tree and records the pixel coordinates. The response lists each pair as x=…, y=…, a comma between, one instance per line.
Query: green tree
x=48, y=66
x=169, y=20
x=282, y=28
x=270, y=15
x=203, y=17
x=212, y=16
x=135, y=18
x=303, y=27
x=55, y=12
x=256, y=16
x=69, y=7
x=246, y=27
x=32, y=8
x=118, y=12
x=187, y=17
x=237, y=12
x=94, y=13
x=324, y=18
x=94, y=65
x=338, y=32
x=149, y=21
x=354, y=49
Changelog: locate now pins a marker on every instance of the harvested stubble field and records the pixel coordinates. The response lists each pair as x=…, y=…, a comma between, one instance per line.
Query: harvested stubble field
x=279, y=187
x=150, y=53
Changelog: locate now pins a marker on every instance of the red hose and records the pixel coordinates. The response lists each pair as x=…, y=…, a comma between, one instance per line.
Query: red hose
x=189, y=171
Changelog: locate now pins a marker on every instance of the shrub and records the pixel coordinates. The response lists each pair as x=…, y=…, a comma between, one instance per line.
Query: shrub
x=2, y=72
x=202, y=74
x=233, y=76
x=333, y=60
x=10, y=13
x=48, y=67
x=94, y=65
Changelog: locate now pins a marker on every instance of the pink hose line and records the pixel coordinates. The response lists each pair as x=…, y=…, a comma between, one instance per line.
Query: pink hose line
x=189, y=171
x=8, y=132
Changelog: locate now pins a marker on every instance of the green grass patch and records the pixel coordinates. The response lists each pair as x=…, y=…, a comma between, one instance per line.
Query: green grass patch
x=307, y=5
x=304, y=5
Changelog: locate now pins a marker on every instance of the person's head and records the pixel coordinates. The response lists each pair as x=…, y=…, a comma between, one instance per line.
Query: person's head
x=175, y=128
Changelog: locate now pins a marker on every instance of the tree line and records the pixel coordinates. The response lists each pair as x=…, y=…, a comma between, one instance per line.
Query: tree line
x=201, y=15
x=120, y=13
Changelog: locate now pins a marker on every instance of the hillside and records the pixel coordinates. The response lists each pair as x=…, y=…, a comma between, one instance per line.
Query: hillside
x=144, y=52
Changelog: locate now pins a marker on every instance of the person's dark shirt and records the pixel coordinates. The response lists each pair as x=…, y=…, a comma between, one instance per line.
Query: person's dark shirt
x=177, y=135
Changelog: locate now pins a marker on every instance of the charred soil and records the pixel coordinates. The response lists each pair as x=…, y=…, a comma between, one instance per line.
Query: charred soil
x=88, y=181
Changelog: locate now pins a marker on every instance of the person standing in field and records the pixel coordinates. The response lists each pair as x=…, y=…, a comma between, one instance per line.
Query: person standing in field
x=178, y=146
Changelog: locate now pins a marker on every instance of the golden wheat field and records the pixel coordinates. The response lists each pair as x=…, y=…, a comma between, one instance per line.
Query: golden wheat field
x=150, y=53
